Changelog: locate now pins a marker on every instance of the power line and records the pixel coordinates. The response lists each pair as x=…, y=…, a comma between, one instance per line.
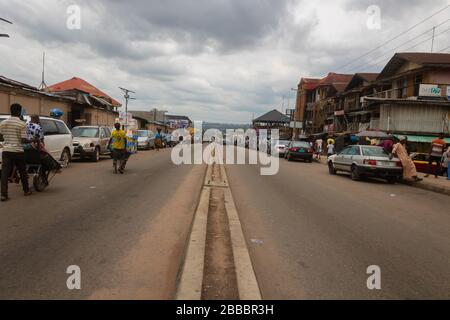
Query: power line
x=418, y=44
x=445, y=49
x=393, y=49
x=396, y=37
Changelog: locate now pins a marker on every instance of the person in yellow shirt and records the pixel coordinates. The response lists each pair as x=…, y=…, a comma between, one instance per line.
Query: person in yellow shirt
x=118, y=146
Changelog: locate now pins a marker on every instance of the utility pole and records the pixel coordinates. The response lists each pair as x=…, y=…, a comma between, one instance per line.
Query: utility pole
x=43, y=85
x=432, y=40
x=127, y=97
x=4, y=35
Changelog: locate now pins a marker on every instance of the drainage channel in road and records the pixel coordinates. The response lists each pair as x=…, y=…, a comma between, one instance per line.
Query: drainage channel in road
x=219, y=274
x=217, y=264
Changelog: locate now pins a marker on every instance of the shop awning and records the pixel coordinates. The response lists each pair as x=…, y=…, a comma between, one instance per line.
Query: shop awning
x=422, y=139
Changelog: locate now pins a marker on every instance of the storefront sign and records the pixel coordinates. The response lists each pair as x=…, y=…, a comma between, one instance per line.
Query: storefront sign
x=339, y=113
x=429, y=90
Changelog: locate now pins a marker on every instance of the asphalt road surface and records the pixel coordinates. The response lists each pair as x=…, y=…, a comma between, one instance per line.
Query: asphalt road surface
x=313, y=236
x=126, y=233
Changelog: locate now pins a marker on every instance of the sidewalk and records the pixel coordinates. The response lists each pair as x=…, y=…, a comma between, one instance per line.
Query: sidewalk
x=439, y=185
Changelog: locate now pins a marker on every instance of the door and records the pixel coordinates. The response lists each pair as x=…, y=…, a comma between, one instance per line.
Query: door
x=104, y=140
x=52, y=141
x=339, y=160
x=353, y=155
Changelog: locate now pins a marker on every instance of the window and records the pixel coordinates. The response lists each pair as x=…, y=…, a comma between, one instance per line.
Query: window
x=374, y=152
x=49, y=127
x=354, y=151
x=417, y=82
x=345, y=151
x=103, y=133
x=85, y=132
x=62, y=129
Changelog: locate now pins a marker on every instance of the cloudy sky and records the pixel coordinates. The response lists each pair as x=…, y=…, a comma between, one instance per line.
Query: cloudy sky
x=213, y=60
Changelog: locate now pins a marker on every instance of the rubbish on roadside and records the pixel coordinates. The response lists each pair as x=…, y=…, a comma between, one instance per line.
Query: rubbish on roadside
x=257, y=242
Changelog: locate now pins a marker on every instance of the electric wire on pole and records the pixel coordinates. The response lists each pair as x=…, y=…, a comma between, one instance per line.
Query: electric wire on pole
x=394, y=38
x=127, y=97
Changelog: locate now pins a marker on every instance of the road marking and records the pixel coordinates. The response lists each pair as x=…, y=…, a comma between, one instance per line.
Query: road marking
x=191, y=279
x=190, y=286
x=246, y=278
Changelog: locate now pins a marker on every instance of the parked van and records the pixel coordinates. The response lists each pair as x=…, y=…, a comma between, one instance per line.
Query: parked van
x=58, y=139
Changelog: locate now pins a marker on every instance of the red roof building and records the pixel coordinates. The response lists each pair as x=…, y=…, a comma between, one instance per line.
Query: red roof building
x=83, y=86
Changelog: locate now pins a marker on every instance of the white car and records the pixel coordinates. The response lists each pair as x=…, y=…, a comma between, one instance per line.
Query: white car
x=58, y=139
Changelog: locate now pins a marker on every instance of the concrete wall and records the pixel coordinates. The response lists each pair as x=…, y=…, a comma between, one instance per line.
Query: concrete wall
x=101, y=117
x=33, y=104
x=415, y=118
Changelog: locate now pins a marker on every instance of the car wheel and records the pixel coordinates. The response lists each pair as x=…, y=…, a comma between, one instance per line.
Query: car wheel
x=65, y=158
x=355, y=174
x=331, y=168
x=96, y=157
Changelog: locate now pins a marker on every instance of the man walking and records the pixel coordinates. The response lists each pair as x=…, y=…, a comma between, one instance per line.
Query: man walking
x=118, y=144
x=437, y=150
x=13, y=132
x=330, y=149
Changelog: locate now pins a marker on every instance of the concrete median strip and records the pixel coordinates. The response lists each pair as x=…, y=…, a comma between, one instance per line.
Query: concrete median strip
x=193, y=276
x=247, y=283
x=190, y=286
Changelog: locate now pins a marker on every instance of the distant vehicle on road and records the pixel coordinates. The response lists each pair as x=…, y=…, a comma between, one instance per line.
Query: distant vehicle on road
x=91, y=141
x=366, y=161
x=58, y=139
x=146, y=139
x=280, y=148
x=299, y=150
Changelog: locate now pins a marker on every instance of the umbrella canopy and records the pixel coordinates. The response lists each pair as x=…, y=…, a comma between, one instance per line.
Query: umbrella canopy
x=373, y=134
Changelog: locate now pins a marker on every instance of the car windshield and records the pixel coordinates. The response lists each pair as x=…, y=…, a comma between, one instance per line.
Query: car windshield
x=283, y=142
x=300, y=144
x=374, y=152
x=85, y=132
x=143, y=134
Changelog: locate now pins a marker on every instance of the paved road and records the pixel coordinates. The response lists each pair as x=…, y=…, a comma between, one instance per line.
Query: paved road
x=319, y=234
x=127, y=233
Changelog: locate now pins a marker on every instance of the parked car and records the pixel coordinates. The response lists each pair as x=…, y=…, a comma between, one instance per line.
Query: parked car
x=91, y=141
x=366, y=161
x=280, y=148
x=299, y=150
x=146, y=139
x=421, y=161
x=58, y=139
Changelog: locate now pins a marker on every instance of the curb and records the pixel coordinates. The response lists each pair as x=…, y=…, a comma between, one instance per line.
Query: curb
x=425, y=186
x=418, y=185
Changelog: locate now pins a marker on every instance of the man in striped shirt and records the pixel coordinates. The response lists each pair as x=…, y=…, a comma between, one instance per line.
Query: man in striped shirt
x=13, y=133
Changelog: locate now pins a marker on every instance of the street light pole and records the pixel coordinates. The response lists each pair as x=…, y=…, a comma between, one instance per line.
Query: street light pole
x=295, y=120
x=127, y=97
